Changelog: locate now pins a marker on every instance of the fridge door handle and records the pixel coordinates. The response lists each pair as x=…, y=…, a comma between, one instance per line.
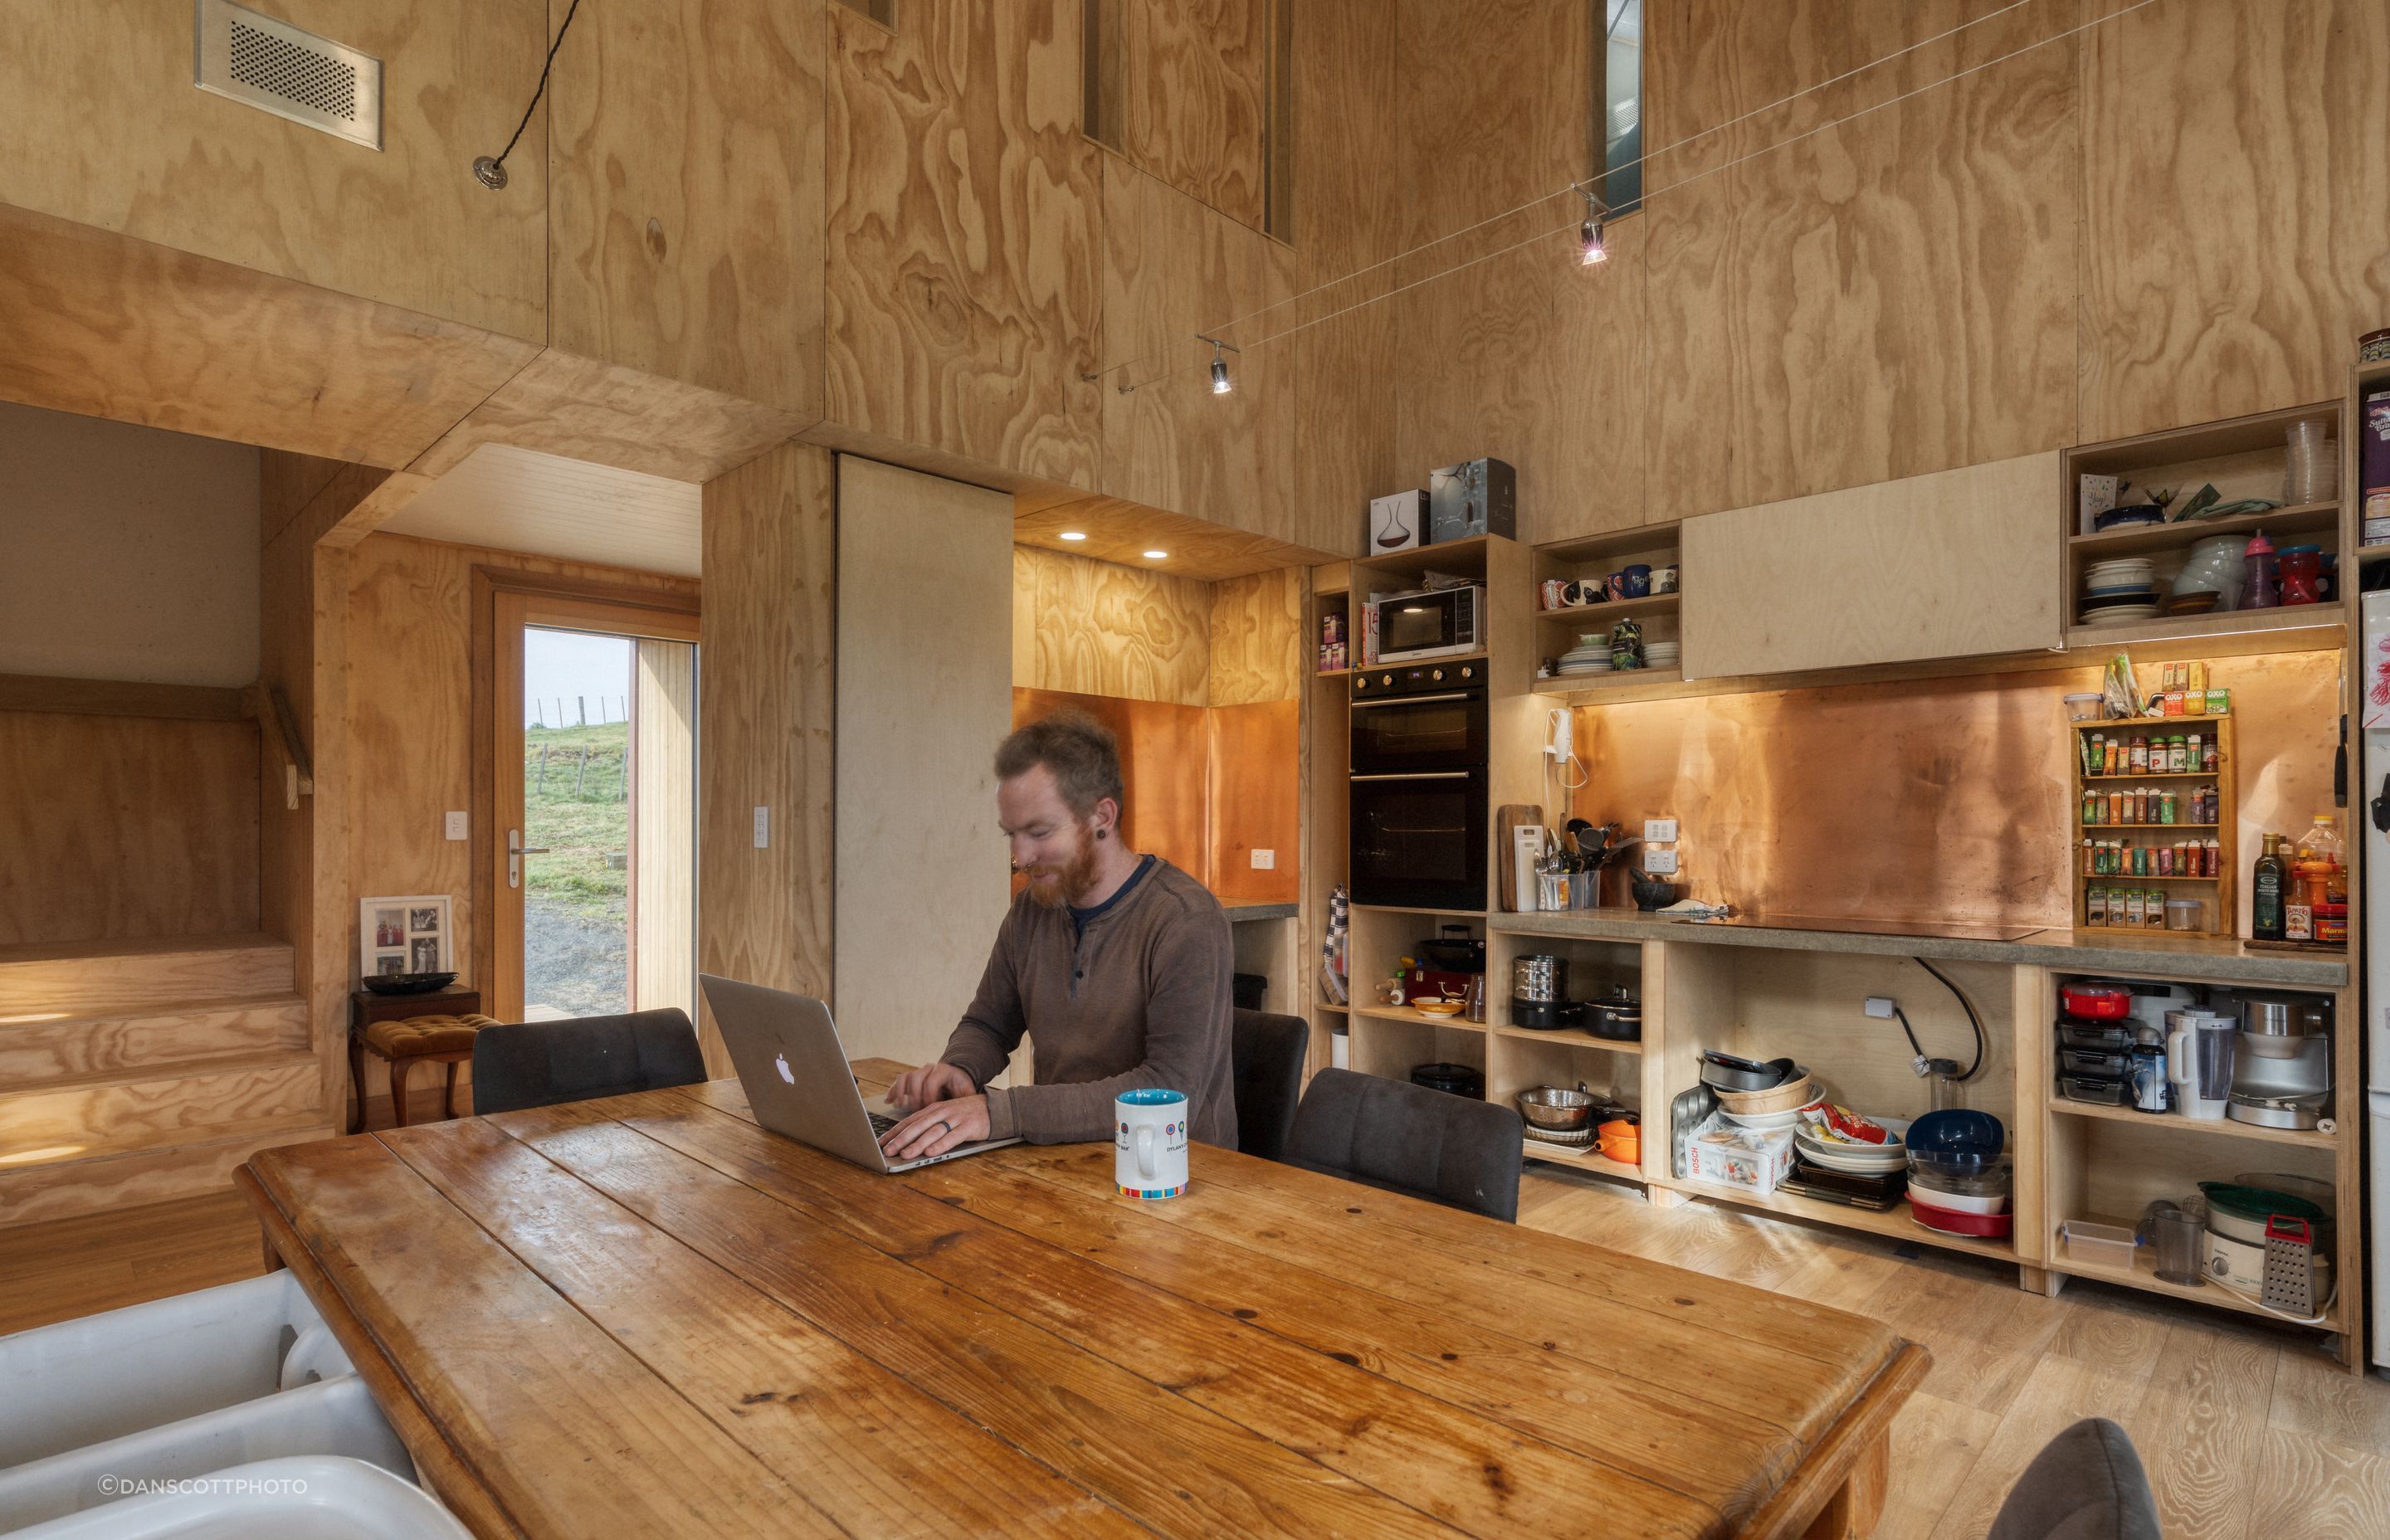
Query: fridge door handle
x=2381, y=807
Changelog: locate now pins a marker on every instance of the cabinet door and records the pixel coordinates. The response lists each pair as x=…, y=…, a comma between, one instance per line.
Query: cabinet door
x=1951, y=565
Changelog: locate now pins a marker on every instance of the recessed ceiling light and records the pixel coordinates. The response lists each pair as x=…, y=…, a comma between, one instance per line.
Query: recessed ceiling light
x=1155, y=556
x=1075, y=534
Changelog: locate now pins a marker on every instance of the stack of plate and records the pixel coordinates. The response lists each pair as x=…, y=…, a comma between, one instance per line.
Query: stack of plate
x=1585, y=659
x=2121, y=588
x=1857, y=1160
x=1661, y=654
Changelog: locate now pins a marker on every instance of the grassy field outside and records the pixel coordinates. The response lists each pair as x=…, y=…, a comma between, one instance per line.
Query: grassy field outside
x=577, y=898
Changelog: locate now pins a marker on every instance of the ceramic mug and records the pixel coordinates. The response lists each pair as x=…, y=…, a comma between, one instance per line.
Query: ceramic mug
x=1555, y=593
x=1638, y=581
x=1150, y=1143
x=1664, y=579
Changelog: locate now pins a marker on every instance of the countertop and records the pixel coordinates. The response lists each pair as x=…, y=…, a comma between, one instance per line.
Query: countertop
x=2214, y=960
x=1240, y=913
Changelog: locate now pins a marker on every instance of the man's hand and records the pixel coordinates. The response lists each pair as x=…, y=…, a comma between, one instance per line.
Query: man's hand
x=917, y=1088
x=938, y=1127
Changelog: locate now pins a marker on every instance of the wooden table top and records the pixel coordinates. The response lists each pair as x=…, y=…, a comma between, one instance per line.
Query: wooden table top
x=646, y=1315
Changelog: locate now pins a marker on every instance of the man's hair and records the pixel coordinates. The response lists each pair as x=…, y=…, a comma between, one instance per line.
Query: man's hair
x=1079, y=750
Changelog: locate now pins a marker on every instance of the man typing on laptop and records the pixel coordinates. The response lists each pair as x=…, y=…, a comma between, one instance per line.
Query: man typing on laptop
x=1116, y=965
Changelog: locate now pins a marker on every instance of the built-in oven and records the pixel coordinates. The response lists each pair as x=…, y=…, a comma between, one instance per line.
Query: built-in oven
x=1418, y=804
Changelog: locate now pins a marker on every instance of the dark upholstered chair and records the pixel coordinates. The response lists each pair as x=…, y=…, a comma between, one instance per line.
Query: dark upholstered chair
x=2086, y=1485
x=1265, y=1058
x=541, y=1063
x=1401, y=1137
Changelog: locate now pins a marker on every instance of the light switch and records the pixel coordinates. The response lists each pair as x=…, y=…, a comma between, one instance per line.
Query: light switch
x=1659, y=863
x=1659, y=831
x=762, y=829
x=456, y=826
x=1265, y=860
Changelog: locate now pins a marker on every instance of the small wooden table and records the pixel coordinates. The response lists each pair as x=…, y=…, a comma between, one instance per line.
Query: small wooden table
x=368, y=1008
x=647, y=1316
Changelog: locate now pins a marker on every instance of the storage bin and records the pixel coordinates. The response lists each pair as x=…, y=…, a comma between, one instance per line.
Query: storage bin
x=82, y=1381
x=2098, y=1245
x=334, y=1417
x=306, y=1499
x=2099, y=1090
x=1754, y=1158
x=2082, y=1061
x=2094, y=1036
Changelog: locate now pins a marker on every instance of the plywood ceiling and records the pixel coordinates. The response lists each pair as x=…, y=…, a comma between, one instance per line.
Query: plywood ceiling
x=521, y=500
x=1123, y=531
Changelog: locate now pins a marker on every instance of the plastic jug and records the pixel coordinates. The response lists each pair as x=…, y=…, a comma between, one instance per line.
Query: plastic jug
x=2263, y=593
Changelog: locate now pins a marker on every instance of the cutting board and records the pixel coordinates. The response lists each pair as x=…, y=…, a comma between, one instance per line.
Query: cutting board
x=1507, y=817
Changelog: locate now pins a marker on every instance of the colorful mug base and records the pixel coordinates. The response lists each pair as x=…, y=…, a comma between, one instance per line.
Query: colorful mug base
x=1152, y=1192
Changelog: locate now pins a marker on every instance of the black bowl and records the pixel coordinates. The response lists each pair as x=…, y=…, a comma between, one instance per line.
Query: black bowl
x=1651, y=894
x=407, y=983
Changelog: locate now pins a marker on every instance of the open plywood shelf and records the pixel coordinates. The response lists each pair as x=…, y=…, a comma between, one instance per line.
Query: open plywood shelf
x=2217, y=730
x=1894, y=1222
x=1461, y=557
x=1593, y=683
x=1418, y=1017
x=2220, y=1127
x=1572, y=1038
x=2306, y=518
x=2143, y=1274
x=2332, y=618
x=1582, y=1157
x=1620, y=609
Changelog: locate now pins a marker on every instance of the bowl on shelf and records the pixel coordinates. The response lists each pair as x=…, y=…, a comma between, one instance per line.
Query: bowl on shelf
x=1956, y=1140
x=1795, y=1093
x=1555, y=1110
x=1438, y=1006
x=1983, y=1227
x=2197, y=602
x=1622, y=1140
x=1762, y=1122
x=407, y=983
x=2129, y=516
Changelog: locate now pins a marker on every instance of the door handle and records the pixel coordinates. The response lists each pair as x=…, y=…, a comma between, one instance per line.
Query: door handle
x=516, y=850
x=1413, y=699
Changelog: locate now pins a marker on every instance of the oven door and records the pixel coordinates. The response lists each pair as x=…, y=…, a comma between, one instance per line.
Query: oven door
x=1418, y=840
x=1401, y=735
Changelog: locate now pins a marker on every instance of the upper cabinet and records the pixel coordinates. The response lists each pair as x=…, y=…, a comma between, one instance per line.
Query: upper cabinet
x=105, y=128
x=685, y=142
x=1955, y=564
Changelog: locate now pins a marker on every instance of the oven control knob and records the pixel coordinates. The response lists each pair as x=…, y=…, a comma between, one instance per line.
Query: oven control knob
x=1385, y=679
x=1361, y=681
x=1469, y=673
x=1436, y=673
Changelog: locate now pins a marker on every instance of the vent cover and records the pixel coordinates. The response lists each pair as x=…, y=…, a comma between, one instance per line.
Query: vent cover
x=252, y=58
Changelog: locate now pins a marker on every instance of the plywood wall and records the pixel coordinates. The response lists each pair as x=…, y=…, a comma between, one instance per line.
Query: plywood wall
x=1094, y=628
x=922, y=868
x=1260, y=648
x=410, y=704
x=686, y=232
x=965, y=219
x=765, y=723
x=123, y=828
x=1185, y=92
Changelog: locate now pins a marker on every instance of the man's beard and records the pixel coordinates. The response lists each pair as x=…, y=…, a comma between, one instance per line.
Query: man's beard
x=1054, y=886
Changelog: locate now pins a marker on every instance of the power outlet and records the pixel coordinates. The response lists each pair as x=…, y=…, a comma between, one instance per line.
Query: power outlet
x=1659, y=831
x=1659, y=863
x=1881, y=1006
x=762, y=829
x=1265, y=860
x=458, y=826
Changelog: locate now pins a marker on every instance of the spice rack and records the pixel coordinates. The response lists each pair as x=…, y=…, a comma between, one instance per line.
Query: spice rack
x=2123, y=811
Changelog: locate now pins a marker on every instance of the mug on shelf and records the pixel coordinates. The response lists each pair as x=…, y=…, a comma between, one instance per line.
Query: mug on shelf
x=1664, y=579
x=1638, y=578
x=1150, y=1143
x=1555, y=592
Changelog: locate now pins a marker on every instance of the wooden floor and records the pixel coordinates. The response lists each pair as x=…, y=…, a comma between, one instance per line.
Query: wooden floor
x=2249, y=1434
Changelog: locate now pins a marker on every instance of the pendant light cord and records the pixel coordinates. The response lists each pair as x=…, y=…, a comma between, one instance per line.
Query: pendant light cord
x=492, y=170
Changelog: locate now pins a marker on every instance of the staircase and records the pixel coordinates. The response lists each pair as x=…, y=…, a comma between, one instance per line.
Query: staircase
x=142, y=1072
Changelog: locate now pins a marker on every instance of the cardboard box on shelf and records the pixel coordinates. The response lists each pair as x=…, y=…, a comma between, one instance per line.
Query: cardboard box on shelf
x=1732, y=1156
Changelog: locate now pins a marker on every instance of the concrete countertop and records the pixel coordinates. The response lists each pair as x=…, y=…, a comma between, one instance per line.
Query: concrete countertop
x=1240, y=913
x=2214, y=959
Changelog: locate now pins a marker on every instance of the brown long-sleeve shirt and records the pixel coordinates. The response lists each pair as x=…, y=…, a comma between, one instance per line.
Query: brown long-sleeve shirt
x=1140, y=995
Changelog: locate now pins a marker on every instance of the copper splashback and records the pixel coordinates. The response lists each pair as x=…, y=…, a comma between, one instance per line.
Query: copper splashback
x=1942, y=798
x=1163, y=750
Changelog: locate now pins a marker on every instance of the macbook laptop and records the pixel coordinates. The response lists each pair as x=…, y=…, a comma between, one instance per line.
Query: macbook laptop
x=798, y=1081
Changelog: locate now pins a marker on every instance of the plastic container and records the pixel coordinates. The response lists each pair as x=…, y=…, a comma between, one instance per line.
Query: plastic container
x=2083, y=708
x=2099, y=1090
x=2264, y=591
x=2082, y=1061
x=308, y=1498
x=335, y=1417
x=101, y=1377
x=2094, y=1036
x=2311, y=467
x=1984, y=1226
x=1752, y=1158
x=2098, y=1245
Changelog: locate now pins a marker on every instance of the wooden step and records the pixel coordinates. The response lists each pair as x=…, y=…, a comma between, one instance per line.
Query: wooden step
x=117, y=1110
x=90, y=978
x=171, y=1174
x=52, y=1047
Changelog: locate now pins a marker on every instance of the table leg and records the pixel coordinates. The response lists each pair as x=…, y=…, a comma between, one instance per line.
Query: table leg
x=357, y=1083
x=398, y=1071
x=448, y=1096
x=1851, y=1513
x=274, y=1263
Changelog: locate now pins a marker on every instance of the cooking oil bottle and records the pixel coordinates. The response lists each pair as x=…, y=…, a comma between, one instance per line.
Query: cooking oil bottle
x=2266, y=893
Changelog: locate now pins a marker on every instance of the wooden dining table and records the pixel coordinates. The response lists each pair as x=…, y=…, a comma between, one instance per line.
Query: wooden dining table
x=647, y=1316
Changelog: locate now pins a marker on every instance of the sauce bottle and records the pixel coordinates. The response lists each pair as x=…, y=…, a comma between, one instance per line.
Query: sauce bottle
x=2266, y=893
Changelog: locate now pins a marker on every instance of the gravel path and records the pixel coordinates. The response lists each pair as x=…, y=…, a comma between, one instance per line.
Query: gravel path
x=572, y=966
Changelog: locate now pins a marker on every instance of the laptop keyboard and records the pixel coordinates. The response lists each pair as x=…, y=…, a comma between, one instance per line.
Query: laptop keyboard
x=881, y=1122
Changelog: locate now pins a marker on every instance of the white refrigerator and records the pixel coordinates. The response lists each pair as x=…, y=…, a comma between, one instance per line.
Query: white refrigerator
x=2374, y=782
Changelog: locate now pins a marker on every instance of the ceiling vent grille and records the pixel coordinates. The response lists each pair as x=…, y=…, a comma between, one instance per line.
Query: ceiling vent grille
x=273, y=65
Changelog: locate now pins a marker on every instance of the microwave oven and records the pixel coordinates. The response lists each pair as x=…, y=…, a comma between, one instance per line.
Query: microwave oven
x=1435, y=623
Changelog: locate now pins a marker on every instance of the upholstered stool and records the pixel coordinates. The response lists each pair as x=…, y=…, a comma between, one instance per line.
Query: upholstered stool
x=405, y=1042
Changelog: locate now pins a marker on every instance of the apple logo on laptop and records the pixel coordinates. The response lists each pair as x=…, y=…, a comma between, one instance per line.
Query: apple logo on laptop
x=781, y=1063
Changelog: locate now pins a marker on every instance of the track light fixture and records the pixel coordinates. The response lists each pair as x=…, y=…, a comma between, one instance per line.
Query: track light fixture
x=1589, y=235
x=1221, y=384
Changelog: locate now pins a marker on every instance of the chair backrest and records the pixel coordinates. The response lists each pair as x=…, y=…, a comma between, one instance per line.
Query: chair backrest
x=541, y=1063
x=1403, y=1138
x=1265, y=1060
x=2086, y=1485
